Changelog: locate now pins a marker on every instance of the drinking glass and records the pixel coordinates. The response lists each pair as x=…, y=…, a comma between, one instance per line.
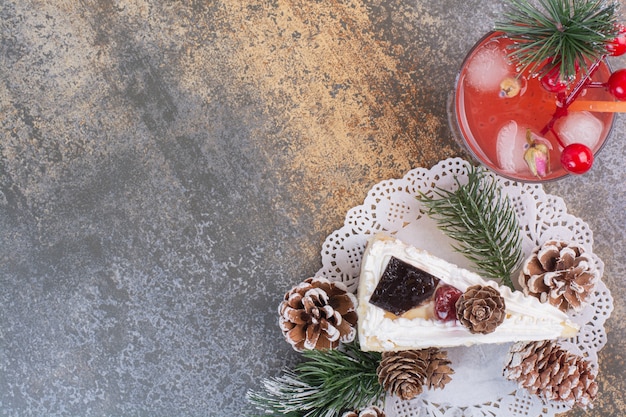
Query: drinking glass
x=492, y=123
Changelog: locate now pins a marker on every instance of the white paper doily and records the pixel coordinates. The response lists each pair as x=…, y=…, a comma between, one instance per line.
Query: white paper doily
x=478, y=388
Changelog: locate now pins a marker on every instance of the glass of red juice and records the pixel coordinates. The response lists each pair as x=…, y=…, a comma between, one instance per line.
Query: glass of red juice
x=493, y=123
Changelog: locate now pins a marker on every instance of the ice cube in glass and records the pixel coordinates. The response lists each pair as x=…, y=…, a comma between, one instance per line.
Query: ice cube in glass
x=580, y=127
x=510, y=147
x=488, y=68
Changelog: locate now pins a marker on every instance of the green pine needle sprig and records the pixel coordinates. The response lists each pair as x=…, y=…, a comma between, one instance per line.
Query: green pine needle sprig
x=327, y=383
x=570, y=33
x=483, y=223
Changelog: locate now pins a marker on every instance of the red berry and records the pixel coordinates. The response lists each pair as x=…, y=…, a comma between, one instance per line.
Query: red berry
x=552, y=81
x=445, y=299
x=617, y=46
x=577, y=158
x=617, y=84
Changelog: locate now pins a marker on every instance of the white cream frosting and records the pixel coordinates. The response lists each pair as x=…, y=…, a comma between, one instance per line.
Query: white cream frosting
x=526, y=319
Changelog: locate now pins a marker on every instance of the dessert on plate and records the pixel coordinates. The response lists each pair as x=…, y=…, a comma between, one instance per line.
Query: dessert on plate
x=410, y=299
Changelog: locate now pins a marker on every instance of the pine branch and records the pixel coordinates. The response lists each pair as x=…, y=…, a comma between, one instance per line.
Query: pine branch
x=482, y=221
x=570, y=33
x=324, y=385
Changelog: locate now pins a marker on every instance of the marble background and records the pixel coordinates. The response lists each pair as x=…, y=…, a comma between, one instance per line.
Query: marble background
x=169, y=169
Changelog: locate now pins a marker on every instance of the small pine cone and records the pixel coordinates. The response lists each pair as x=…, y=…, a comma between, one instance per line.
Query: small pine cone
x=481, y=309
x=318, y=314
x=371, y=411
x=439, y=372
x=560, y=273
x=545, y=369
x=404, y=374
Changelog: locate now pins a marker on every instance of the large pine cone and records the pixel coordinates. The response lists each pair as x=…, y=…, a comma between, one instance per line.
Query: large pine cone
x=318, y=314
x=547, y=370
x=404, y=374
x=371, y=411
x=481, y=309
x=560, y=273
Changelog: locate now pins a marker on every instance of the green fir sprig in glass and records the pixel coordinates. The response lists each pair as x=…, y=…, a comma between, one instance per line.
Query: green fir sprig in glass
x=565, y=34
x=326, y=384
x=482, y=221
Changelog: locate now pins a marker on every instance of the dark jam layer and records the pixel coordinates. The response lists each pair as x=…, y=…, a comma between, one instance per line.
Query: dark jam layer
x=403, y=287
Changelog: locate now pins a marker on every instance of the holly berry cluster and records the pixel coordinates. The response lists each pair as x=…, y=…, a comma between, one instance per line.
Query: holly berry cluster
x=577, y=158
x=616, y=84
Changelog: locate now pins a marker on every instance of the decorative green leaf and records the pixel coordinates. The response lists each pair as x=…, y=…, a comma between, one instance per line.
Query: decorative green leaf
x=327, y=383
x=482, y=221
x=571, y=33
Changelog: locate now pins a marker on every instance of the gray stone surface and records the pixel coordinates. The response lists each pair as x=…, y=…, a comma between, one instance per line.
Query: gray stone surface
x=169, y=169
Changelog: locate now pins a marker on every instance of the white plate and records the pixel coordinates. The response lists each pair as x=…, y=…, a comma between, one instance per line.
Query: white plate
x=478, y=388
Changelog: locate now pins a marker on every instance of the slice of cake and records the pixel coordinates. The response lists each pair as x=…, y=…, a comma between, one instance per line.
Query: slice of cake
x=410, y=299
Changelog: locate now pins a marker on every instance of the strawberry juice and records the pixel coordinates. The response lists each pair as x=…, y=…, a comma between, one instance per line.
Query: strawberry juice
x=493, y=125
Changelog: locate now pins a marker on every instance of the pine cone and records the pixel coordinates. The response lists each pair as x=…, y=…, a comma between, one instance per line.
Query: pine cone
x=547, y=370
x=560, y=273
x=481, y=309
x=371, y=411
x=318, y=314
x=405, y=373
x=439, y=372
